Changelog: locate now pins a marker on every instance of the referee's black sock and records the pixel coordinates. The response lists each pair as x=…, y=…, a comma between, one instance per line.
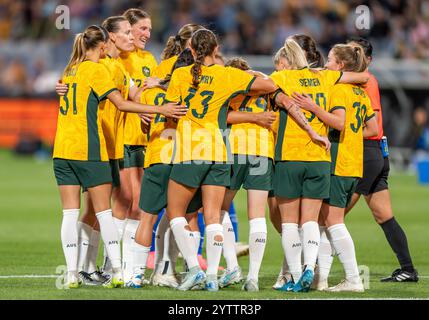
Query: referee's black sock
x=398, y=241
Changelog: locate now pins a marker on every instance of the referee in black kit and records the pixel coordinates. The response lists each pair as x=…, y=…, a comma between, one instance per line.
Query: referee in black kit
x=374, y=187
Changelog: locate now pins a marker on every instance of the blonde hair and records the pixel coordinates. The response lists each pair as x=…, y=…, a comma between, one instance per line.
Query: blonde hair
x=352, y=55
x=281, y=53
x=294, y=55
x=83, y=42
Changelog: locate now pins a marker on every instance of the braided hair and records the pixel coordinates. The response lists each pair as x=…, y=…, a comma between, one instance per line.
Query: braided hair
x=203, y=42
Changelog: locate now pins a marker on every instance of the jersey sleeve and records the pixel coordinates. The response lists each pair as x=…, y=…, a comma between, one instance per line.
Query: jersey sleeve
x=238, y=81
x=331, y=77
x=173, y=91
x=278, y=79
x=338, y=99
x=374, y=93
x=100, y=81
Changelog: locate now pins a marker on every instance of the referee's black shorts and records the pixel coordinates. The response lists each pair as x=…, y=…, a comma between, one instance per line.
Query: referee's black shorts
x=375, y=169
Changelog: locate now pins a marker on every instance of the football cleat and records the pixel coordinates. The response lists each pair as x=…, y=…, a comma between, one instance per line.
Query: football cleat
x=400, y=275
x=212, y=283
x=194, y=277
x=87, y=280
x=135, y=282
x=250, y=285
x=165, y=280
x=304, y=282
x=288, y=286
x=99, y=276
x=230, y=277
x=282, y=279
x=347, y=286
x=117, y=280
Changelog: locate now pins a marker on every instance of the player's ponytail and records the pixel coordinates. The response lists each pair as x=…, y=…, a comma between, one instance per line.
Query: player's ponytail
x=352, y=56
x=176, y=44
x=203, y=42
x=295, y=56
x=314, y=57
x=87, y=40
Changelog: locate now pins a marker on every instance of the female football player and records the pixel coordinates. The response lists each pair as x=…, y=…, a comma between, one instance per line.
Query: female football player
x=302, y=172
x=206, y=89
x=80, y=152
x=351, y=119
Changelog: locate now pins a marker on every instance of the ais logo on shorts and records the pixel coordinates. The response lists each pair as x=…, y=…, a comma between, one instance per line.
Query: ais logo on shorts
x=146, y=71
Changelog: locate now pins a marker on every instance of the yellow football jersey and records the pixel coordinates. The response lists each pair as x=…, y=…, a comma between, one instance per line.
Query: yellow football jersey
x=79, y=129
x=140, y=64
x=249, y=138
x=198, y=133
x=293, y=143
x=165, y=67
x=347, y=145
x=113, y=118
x=161, y=139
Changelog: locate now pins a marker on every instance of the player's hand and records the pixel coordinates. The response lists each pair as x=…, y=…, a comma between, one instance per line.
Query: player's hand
x=173, y=110
x=145, y=118
x=265, y=119
x=151, y=82
x=304, y=101
x=318, y=139
x=61, y=89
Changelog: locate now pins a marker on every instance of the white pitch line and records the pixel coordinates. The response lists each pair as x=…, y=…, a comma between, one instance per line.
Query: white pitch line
x=29, y=276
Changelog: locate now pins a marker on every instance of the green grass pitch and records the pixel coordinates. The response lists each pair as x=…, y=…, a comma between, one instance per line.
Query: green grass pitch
x=30, y=217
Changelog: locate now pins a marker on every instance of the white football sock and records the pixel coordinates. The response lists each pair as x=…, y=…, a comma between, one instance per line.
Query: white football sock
x=257, y=242
x=91, y=261
x=110, y=236
x=127, y=244
x=213, y=247
x=69, y=238
x=197, y=238
x=325, y=257
x=343, y=244
x=140, y=255
x=162, y=227
x=301, y=237
x=292, y=248
x=229, y=252
x=184, y=240
x=120, y=224
x=311, y=239
x=84, y=234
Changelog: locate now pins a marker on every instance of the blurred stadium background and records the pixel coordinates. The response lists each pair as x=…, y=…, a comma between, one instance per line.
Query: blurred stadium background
x=33, y=53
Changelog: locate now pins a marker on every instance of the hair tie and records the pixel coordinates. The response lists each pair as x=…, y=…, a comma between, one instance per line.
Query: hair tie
x=177, y=38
